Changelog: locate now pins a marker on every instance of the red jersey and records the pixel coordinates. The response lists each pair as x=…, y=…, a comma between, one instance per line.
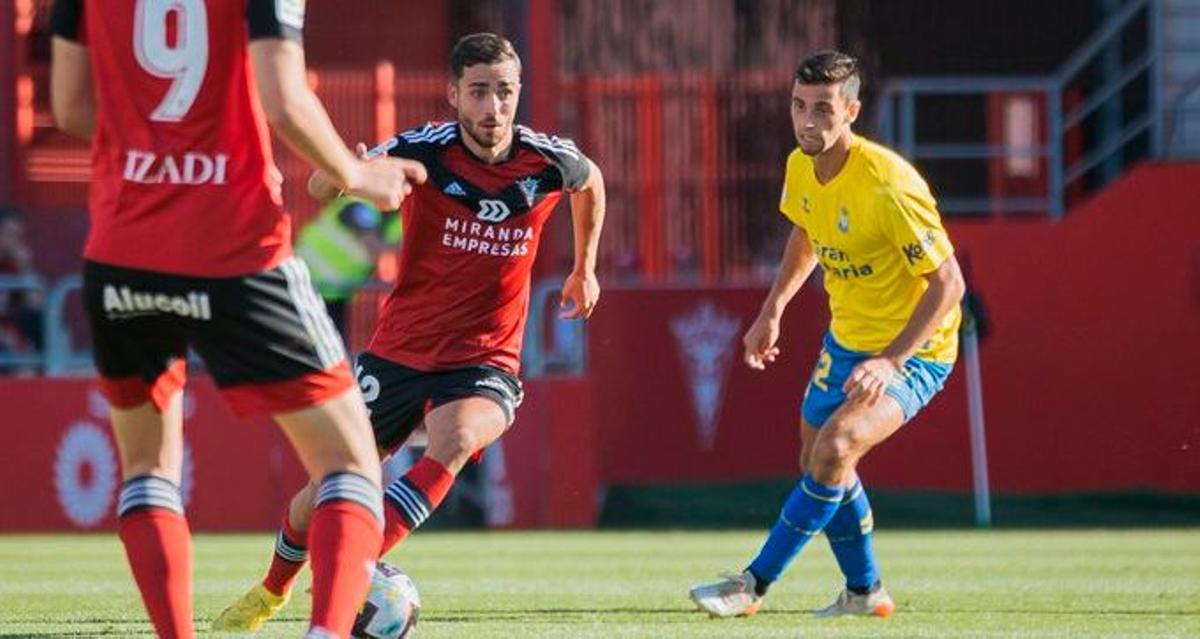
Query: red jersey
x=181, y=156
x=470, y=237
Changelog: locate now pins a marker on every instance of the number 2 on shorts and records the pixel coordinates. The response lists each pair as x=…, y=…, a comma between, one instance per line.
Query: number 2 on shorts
x=821, y=374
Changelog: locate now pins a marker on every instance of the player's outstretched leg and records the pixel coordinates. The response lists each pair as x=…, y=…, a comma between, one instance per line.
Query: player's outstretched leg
x=408, y=502
x=411, y=499
x=850, y=535
x=854, y=429
x=334, y=441
x=807, y=509
x=457, y=431
x=151, y=523
x=266, y=599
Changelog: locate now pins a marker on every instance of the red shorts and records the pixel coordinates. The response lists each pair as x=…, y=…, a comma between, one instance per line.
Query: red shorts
x=265, y=338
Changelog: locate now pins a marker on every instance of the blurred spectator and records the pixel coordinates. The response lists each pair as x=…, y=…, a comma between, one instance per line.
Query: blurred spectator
x=20, y=309
x=341, y=247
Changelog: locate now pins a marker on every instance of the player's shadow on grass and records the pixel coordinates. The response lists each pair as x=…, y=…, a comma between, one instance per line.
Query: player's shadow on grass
x=97, y=627
x=1038, y=611
x=554, y=614
x=559, y=614
x=107, y=632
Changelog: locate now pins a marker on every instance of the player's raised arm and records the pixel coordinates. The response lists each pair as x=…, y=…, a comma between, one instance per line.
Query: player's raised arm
x=296, y=115
x=581, y=291
x=72, y=100
x=797, y=264
x=322, y=187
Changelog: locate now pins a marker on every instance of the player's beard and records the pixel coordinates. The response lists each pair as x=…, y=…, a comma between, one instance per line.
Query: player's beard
x=812, y=145
x=486, y=141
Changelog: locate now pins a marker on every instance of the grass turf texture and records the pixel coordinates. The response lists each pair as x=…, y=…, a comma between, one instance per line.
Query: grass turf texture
x=1079, y=583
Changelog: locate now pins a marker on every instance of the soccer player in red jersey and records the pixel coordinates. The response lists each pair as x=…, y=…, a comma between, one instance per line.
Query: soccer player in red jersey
x=446, y=352
x=189, y=246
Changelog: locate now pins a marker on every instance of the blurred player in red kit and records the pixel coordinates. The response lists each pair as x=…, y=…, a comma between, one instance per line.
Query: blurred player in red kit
x=189, y=246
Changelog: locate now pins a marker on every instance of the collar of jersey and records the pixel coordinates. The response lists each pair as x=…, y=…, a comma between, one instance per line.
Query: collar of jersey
x=851, y=160
x=512, y=149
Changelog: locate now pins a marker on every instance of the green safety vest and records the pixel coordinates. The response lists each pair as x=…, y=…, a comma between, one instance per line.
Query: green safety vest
x=339, y=260
x=393, y=228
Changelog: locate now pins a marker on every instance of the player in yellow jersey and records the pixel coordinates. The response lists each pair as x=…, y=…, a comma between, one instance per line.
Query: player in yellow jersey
x=867, y=218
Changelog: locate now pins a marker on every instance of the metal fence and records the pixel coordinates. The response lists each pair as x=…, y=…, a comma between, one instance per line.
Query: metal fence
x=1037, y=143
x=693, y=161
x=693, y=165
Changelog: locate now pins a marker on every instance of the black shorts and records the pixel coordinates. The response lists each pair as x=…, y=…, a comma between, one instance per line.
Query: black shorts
x=265, y=338
x=399, y=397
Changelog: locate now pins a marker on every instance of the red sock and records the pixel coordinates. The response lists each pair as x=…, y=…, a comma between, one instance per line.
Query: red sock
x=410, y=500
x=291, y=553
x=159, y=547
x=344, y=537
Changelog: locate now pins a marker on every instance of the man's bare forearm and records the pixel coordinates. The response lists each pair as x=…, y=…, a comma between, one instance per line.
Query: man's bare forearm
x=295, y=113
x=587, y=216
x=946, y=288
x=794, y=269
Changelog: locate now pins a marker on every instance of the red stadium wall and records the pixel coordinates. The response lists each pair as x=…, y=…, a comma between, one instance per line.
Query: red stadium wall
x=674, y=402
x=1091, y=376
x=61, y=466
x=60, y=469
x=1091, y=381
x=655, y=427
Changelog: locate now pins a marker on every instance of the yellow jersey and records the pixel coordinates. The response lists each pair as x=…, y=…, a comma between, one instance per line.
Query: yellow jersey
x=876, y=232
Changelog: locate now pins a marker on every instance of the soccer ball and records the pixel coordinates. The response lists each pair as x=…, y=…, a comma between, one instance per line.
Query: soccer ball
x=392, y=606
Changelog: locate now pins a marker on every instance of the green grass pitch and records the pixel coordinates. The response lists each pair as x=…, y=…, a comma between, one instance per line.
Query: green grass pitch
x=1080, y=583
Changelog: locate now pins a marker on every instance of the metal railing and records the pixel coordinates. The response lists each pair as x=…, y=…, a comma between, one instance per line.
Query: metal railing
x=1175, y=122
x=58, y=356
x=1086, y=132
x=62, y=358
x=552, y=346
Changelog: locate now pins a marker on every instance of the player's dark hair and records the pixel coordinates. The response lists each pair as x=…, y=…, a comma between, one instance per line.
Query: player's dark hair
x=481, y=48
x=831, y=67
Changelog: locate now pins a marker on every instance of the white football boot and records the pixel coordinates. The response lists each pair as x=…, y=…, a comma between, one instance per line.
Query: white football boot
x=874, y=604
x=731, y=596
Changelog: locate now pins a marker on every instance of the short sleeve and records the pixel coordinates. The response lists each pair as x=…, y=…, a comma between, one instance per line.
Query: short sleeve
x=416, y=143
x=275, y=19
x=791, y=202
x=390, y=147
x=396, y=147
x=575, y=168
x=563, y=154
x=67, y=20
x=914, y=228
